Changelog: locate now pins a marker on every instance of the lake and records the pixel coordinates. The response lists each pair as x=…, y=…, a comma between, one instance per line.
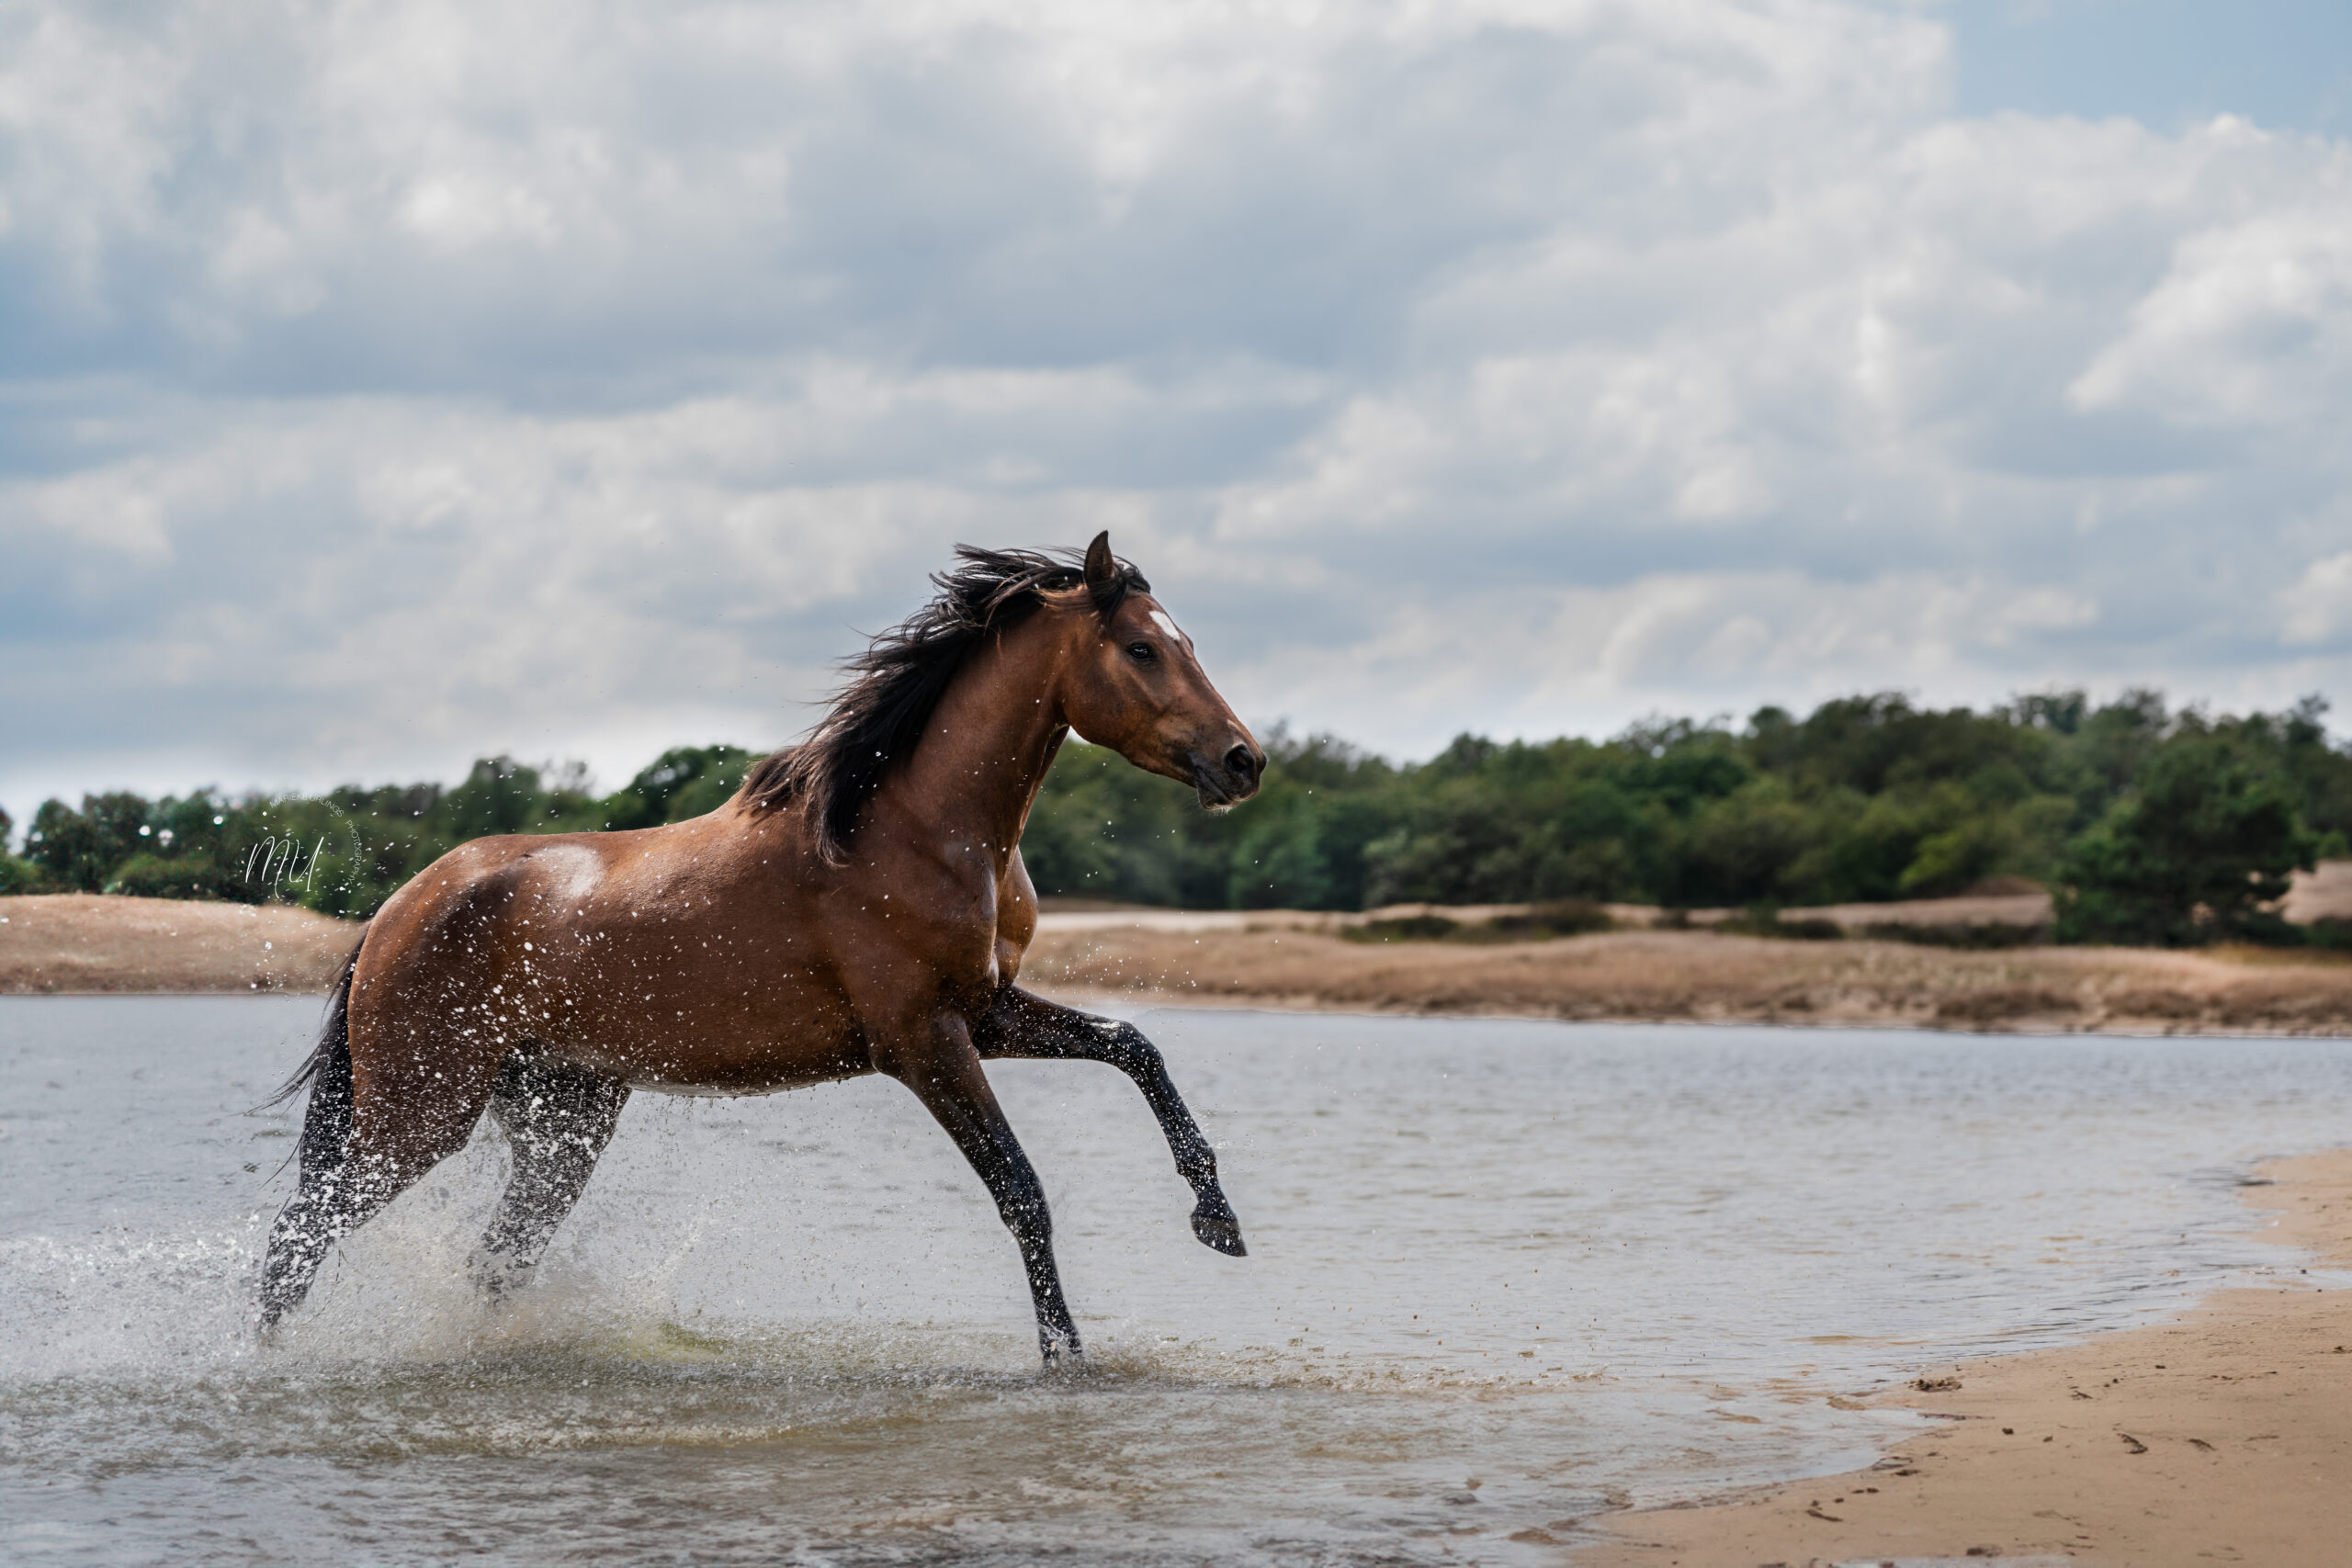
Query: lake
x=1504, y=1277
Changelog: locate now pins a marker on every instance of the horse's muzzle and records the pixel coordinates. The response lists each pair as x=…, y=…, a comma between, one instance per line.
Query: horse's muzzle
x=1228, y=779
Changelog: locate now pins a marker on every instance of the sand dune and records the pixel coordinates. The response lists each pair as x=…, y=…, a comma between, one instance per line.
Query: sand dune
x=84, y=941
x=1703, y=977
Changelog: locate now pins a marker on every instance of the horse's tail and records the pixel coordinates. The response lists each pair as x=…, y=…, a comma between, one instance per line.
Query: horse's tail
x=326, y=1071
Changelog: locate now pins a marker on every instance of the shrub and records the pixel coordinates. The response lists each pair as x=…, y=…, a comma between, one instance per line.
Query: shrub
x=1980, y=935
x=1573, y=916
x=1539, y=922
x=179, y=876
x=1404, y=927
x=2003, y=1004
x=2330, y=934
x=1764, y=920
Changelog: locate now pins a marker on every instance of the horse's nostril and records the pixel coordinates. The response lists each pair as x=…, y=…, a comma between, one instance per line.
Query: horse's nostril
x=1241, y=763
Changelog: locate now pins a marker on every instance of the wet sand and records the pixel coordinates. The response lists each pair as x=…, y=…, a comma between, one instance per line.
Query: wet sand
x=2225, y=1437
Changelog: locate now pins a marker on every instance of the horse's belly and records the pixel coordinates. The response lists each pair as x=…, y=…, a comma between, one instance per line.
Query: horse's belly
x=727, y=1073
x=738, y=1090
x=721, y=1052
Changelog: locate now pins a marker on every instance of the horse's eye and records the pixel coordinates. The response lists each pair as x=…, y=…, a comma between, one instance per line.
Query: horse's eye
x=1142, y=652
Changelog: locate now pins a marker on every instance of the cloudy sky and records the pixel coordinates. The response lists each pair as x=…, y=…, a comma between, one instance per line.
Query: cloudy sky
x=388, y=383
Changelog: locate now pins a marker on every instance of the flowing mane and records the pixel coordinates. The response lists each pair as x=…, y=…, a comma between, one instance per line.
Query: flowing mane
x=881, y=713
x=558, y=1000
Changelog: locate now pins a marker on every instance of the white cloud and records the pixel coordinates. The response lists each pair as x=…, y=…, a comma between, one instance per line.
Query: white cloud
x=2252, y=326
x=2318, y=607
x=390, y=383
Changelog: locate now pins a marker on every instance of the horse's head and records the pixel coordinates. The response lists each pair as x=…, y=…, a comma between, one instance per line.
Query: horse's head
x=1130, y=681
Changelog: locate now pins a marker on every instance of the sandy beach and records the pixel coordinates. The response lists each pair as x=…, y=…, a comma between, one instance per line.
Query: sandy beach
x=2225, y=1437
x=1698, y=976
x=83, y=942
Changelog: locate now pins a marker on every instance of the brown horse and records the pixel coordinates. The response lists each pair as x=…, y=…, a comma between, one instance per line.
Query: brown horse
x=858, y=907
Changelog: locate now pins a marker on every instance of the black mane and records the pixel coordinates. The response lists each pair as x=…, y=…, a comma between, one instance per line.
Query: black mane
x=879, y=716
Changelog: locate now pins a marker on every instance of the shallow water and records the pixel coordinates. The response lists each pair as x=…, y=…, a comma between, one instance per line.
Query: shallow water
x=1503, y=1276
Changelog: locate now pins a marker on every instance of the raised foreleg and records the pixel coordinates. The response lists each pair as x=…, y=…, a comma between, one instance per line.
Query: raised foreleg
x=1019, y=1024
x=557, y=1119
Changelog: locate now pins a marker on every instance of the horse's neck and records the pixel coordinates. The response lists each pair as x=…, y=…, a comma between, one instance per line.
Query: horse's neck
x=984, y=754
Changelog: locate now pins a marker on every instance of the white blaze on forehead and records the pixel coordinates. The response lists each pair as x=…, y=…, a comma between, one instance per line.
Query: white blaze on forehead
x=1160, y=618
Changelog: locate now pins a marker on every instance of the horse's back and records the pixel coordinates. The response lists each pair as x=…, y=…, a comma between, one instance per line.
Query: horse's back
x=550, y=874
x=480, y=914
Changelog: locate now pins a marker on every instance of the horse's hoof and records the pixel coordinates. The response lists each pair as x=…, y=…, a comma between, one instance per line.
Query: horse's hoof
x=1218, y=1230
x=496, y=1278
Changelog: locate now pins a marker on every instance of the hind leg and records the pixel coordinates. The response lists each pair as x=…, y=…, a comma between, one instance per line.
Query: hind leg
x=327, y=1203
x=325, y=1210
x=367, y=1137
x=345, y=1183
x=557, y=1119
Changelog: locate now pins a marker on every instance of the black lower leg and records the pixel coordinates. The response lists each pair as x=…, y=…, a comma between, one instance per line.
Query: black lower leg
x=328, y=1202
x=1020, y=1025
x=944, y=1071
x=298, y=1240
x=1021, y=1203
x=329, y=1206
x=557, y=1119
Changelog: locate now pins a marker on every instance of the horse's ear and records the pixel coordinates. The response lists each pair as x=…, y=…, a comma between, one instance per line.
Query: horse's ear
x=1101, y=570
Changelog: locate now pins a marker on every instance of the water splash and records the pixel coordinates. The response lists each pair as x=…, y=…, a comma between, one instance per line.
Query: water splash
x=1580, y=1267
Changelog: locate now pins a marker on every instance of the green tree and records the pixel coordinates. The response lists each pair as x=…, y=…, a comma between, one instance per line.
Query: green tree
x=1277, y=862
x=1744, y=847
x=2207, y=835
x=78, y=851
x=685, y=780
x=16, y=876
x=1103, y=829
x=1866, y=797
x=498, y=797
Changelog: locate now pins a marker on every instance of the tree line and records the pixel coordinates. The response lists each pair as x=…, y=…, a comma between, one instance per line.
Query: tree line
x=2153, y=825
x=342, y=852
